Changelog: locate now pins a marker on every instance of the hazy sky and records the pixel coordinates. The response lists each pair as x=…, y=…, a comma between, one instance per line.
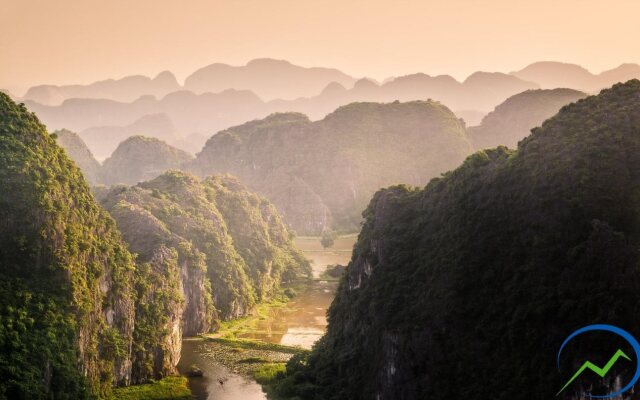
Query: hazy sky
x=79, y=41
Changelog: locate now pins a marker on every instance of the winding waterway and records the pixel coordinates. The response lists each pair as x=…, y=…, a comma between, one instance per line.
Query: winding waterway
x=300, y=323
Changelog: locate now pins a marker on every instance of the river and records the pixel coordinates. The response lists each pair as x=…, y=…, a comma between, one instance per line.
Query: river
x=300, y=323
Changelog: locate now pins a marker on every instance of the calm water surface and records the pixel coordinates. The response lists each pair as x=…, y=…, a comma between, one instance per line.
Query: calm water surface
x=301, y=323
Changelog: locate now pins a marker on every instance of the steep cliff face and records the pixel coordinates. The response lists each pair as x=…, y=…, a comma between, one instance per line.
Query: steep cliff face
x=151, y=240
x=78, y=151
x=159, y=312
x=513, y=119
x=77, y=314
x=66, y=277
x=338, y=162
x=140, y=158
x=236, y=237
x=466, y=288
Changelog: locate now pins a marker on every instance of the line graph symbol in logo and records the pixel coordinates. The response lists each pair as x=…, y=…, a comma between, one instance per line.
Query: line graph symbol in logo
x=602, y=372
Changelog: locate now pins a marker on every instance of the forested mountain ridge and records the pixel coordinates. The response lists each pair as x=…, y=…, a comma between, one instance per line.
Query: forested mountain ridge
x=219, y=230
x=322, y=174
x=467, y=287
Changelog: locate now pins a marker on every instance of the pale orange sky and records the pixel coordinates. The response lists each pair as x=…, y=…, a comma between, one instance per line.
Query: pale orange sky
x=80, y=41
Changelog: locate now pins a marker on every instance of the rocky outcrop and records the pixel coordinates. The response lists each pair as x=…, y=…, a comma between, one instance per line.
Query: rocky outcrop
x=159, y=313
x=150, y=238
x=141, y=158
x=78, y=151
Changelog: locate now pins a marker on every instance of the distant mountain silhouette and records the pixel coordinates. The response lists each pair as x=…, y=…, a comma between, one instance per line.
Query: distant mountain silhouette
x=481, y=91
x=105, y=123
x=268, y=78
x=104, y=140
x=513, y=120
x=194, y=117
x=551, y=75
x=187, y=113
x=126, y=89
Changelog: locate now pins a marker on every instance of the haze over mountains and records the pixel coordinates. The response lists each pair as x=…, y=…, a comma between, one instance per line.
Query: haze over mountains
x=219, y=96
x=550, y=75
x=267, y=78
x=125, y=89
x=512, y=120
x=320, y=174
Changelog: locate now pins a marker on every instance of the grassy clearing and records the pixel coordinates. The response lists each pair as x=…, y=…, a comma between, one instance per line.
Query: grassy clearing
x=171, y=388
x=267, y=373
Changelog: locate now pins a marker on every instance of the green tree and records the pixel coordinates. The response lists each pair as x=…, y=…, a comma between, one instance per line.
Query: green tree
x=328, y=238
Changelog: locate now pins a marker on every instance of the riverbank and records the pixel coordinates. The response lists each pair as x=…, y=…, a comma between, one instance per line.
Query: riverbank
x=247, y=353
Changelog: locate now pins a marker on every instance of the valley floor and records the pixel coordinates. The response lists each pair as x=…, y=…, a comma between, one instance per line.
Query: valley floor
x=248, y=352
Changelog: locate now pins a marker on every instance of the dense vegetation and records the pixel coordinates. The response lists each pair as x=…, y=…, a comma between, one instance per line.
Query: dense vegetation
x=216, y=227
x=466, y=288
x=513, y=120
x=66, y=294
x=323, y=173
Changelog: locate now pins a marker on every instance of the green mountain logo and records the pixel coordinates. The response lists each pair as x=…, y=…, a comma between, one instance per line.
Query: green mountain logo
x=600, y=371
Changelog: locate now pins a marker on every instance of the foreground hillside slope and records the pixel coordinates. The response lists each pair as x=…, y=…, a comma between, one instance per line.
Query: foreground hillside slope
x=79, y=313
x=466, y=288
x=66, y=293
x=322, y=174
x=513, y=120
